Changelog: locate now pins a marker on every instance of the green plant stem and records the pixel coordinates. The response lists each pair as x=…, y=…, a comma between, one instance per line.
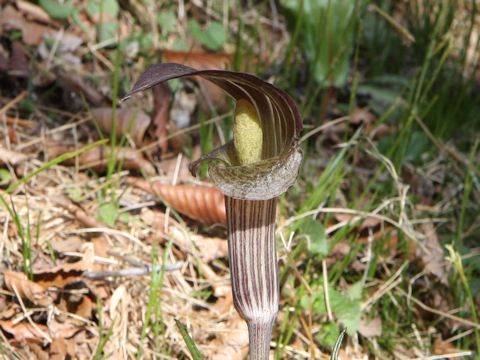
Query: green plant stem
x=254, y=268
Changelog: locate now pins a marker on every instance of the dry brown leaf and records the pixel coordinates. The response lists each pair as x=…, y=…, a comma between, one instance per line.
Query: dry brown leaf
x=18, y=282
x=224, y=304
x=101, y=246
x=210, y=248
x=172, y=166
x=77, y=84
x=232, y=345
x=77, y=212
x=33, y=12
x=70, y=244
x=161, y=100
x=37, y=351
x=360, y=115
x=62, y=275
x=201, y=203
x=130, y=121
x=67, y=273
x=62, y=330
x=11, y=157
x=84, y=308
x=441, y=347
x=18, y=62
x=370, y=328
x=24, y=331
x=98, y=157
x=431, y=253
x=352, y=353
x=58, y=349
x=32, y=32
x=12, y=135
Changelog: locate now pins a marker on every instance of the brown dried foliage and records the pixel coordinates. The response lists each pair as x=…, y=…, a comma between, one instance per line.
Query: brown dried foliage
x=201, y=203
x=24, y=331
x=32, y=32
x=129, y=121
x=79, y=85
x=97, y=158
x=19, y=283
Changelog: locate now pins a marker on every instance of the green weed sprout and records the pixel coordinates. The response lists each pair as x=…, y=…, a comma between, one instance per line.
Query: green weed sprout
x=252, y=170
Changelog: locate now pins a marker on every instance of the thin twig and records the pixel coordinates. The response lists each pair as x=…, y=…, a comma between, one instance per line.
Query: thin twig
x=446, y=356
x=13, y=102
x=402, y=31
x=393, y=281
x=138, y=271
x=361, y=214
x=110, y=232
x=446, y=149
x=441, y=313
x=323, y=127
x=22, y=305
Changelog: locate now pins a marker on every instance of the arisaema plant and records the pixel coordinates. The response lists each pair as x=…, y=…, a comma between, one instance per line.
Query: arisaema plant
x=252, y=170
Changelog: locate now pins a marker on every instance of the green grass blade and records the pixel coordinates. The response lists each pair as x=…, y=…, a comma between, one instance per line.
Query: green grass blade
x=192, y=348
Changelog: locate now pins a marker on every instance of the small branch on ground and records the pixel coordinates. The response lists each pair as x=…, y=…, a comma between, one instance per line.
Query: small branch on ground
x=138, y=271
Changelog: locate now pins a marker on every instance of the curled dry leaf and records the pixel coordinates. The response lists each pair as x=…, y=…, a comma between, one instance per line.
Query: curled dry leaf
x=129, y=121
x=19, y=283
x=64, y=274
x=98, y=157
x=24, y=331
x=201, y=203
